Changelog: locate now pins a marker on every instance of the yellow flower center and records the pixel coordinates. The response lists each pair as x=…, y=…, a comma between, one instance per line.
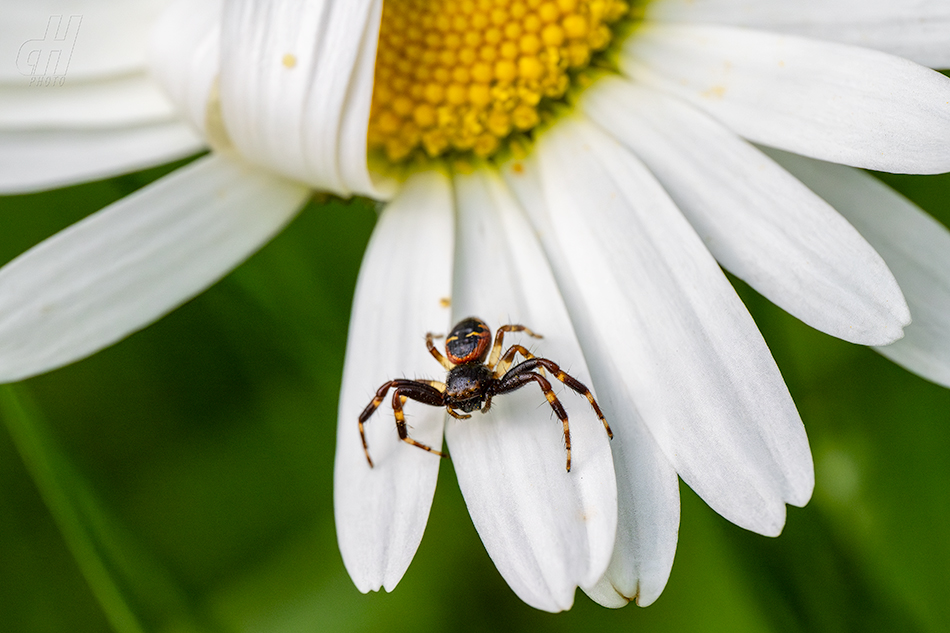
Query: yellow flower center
x=464, y=75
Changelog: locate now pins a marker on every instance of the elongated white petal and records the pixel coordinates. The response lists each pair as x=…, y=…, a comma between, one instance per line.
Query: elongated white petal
x=649, y=301
x=916, y=29
x=547, y=530
x=755, y=218
x=829, y=101
x=647, y=485
x=125, y=266
x=78, y=39
x=109, y=103
x=296, y=88
x=915, y=246
x=649, y=513
x=35, y=160
x=185, y=56
x=381, y=512
x=359, y=95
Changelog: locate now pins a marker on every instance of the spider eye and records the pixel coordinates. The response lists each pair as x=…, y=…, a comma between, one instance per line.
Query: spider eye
x=472, y=404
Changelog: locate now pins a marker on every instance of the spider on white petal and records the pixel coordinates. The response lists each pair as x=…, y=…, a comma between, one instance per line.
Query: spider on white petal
x=472, y=382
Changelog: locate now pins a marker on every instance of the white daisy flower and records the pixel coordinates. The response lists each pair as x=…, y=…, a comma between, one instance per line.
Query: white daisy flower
x=592, y=206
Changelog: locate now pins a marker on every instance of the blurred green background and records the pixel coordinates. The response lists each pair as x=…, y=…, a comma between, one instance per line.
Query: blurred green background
x=182, y=479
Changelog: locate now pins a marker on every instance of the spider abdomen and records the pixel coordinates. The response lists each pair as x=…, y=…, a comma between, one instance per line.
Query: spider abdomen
x=466, y=386
x=468, y=342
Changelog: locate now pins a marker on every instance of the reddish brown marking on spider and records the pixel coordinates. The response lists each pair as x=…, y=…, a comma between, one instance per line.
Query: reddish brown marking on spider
x=468, y=342
x=472, y=382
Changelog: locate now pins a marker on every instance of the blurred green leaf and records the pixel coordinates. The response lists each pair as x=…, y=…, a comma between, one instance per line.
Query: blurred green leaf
x=130, y=586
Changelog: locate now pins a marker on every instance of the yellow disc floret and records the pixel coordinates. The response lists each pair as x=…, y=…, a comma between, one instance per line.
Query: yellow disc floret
x=464, y=75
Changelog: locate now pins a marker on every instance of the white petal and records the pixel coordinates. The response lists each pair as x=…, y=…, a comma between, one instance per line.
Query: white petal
x=37, y=160
x=650, y=302
x=916, y=29
x=830, y=101
x=547, y=530
x=914, y=245
x=296, y=86
x=78, y=39
x=354, y=122
x=758, y=221
x=108, y=103
x=649, y=513
x=184, y=56
x=122, y=268
x=381, y=512
x=647, y=485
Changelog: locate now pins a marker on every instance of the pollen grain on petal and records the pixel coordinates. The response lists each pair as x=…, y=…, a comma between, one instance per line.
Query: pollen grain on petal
x=716, y=92
x=468, y=76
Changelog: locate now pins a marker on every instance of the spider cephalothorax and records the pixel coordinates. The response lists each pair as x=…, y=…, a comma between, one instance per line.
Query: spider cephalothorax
x=471, y=382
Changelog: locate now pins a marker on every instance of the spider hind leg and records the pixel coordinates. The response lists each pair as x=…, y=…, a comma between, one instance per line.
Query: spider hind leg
x=436, y=354
x=499, y=338
x=508, y=359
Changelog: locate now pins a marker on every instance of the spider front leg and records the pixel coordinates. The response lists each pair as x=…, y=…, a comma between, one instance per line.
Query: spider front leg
x=425, y=392
x=399, y=398
x=534, y=364
x=499, y=337
x=517, y=379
